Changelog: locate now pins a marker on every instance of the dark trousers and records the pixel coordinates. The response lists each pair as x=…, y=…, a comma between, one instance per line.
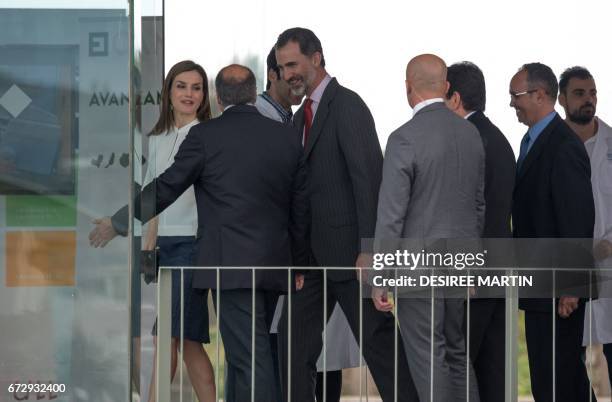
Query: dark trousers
x=333, y=386
x=306, y=335
x=487, y=339
x=571, y=382
x=235, y=323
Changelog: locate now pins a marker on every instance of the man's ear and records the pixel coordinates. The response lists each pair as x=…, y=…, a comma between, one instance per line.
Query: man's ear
x=563, y=100
x=272, y=76
x=221, y=107
x=454, y=102
x=316, y=59
x=542, y=96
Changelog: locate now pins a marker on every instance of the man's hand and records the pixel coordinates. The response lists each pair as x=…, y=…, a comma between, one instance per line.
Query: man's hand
x=380, y=299
x=299, y=281
x=567, y=305
x=102, y=233
x=602, y=250
x=363, y=263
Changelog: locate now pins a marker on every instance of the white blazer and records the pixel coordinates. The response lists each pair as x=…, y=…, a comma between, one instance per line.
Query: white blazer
x=599, y=329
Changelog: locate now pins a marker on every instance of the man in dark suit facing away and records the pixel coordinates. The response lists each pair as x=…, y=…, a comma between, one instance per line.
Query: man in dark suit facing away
x=552, y=199
x=344, y=162
x=249, y=178
x=466, y=97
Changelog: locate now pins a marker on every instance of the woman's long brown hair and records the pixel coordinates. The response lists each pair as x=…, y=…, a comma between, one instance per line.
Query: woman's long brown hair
x=166, y=116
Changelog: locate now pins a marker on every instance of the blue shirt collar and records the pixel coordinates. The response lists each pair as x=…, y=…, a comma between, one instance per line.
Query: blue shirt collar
x=535, y=130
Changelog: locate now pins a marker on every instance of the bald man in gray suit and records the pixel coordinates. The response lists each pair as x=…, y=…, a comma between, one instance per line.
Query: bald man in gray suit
x=432, y=188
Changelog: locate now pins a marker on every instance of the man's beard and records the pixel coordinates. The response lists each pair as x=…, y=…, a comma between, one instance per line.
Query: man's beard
x=302, y=82
x=581, y=116
x=298, y=91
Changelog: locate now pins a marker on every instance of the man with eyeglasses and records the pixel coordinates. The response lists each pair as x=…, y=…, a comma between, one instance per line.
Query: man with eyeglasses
x=552, y=199
x=578, y=96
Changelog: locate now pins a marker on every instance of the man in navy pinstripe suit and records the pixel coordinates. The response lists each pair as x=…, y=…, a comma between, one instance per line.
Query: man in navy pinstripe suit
x=344, y=159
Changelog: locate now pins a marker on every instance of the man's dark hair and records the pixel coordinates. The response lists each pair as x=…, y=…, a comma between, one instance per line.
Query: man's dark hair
x=467, y=79
x=272, y=65
x=573, y=72
x=541, y=76
x=305, y=38
x=236, y=88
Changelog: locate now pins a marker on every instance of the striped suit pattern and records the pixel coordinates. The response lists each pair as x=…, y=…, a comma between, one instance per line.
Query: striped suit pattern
x=344, y=161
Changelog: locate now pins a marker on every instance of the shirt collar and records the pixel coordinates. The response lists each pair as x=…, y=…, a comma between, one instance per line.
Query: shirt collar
x=467, y=116
x=425, y=103
x=285, y=115
x=535, y=130
x=230, y=106
x=317, y=94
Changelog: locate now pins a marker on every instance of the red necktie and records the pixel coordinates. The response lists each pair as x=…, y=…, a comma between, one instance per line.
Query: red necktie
x=307, y=119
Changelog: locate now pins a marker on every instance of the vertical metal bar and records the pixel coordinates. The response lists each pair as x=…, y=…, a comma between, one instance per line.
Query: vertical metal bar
x=132, y=94
x=590, y=342
x=179, y=357
x=590, y=331
x=395, y=340
x=554, y=337
x=431, y=348
x=511, y=344
x=253, y=313
x=592, y=272
x=467, y=346
x=325, y=334
x=289, y=324
x=218, y=352
x=361, y=301
x=164, y=325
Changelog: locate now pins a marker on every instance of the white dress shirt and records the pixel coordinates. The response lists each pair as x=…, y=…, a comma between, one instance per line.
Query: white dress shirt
x=181, y=217
x=424, y=103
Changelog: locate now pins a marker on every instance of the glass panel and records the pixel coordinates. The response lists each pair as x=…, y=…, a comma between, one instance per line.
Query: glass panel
x=148, y=76
x=64, y=145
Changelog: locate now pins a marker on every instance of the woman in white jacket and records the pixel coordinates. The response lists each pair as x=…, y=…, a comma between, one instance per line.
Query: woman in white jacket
x=184, y=104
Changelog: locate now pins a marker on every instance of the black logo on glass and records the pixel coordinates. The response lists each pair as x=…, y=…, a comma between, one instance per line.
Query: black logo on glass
x=98, y=44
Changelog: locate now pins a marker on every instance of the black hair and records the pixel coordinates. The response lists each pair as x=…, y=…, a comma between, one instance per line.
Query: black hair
x=272, y=65
x=573, y=72
x=305, y=38
x=467, y=79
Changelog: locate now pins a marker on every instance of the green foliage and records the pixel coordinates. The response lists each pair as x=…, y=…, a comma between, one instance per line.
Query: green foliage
x=524, y=384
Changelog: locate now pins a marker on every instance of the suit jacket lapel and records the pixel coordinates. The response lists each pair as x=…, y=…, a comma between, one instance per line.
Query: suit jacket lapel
x=298, y=122
x=537, y=148
x=320, y=116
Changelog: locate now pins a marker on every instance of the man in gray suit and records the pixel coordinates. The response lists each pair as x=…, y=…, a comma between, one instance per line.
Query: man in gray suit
x=432, y=188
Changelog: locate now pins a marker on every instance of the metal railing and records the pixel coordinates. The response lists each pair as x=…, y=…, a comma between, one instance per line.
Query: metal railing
x=164, y=296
